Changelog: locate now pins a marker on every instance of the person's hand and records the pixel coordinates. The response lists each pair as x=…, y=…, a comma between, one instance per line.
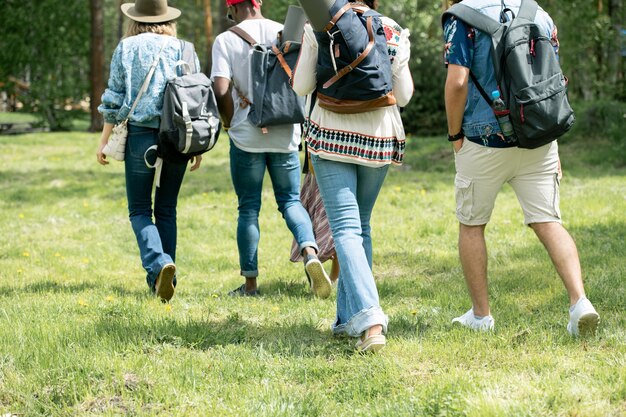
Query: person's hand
x=458, y=144
x=102, y=158
x=195, y=162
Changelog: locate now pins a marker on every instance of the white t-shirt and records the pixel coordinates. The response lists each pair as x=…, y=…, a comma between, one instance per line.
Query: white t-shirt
x=230, y=61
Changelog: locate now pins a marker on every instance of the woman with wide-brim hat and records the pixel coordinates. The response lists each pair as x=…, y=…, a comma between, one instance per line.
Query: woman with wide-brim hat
x=150, y=39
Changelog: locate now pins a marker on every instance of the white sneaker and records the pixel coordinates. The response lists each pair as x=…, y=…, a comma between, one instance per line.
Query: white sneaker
x=318, y=279
x=468, y=319
x=583, y=319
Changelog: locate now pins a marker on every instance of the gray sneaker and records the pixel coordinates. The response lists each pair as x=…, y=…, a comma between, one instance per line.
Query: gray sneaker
x=469, y=320
x=583, y=319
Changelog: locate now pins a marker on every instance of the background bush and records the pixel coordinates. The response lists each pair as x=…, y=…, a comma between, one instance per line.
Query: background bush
x=46, y=43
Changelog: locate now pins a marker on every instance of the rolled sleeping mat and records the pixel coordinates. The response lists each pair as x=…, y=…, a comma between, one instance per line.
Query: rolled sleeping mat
x=293, y=28
x=317, y=11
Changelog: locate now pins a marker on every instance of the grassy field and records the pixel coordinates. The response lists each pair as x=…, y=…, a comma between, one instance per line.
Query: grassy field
x=80, y=335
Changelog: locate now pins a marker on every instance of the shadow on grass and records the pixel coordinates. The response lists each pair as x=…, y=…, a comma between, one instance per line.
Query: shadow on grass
x=525, y=289
x=52, y=185
x=291, y=339
x=54, y=287
x=49, y=287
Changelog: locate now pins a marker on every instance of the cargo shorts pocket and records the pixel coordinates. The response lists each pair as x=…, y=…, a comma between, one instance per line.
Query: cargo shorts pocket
x=556, y=201
x=464, y=190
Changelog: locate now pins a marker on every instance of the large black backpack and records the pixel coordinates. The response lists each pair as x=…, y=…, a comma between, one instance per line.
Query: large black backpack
x=190, y=123
x=356, y=77
x=527, y=72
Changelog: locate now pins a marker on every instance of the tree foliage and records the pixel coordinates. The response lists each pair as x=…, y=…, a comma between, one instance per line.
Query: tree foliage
x=46, y=44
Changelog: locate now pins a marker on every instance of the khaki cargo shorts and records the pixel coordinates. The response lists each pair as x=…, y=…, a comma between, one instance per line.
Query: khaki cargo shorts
x=532, y=173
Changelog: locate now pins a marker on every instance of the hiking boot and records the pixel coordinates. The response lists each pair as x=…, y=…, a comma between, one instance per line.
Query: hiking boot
x=469, y=320
x=583, y=319
x=318, y=279
x=164, y=285
x=241, y=292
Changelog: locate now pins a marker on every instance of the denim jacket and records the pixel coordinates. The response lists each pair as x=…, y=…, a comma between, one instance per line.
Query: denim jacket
x=130, y=64
x=471, y=48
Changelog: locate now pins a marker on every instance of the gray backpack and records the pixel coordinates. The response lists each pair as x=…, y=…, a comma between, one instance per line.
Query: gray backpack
x=527, y=72
x=190, y=123
x=273, y=102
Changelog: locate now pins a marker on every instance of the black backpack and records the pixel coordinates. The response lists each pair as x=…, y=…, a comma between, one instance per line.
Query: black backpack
x=190, y=123
x=356, y=77
x=527, y=72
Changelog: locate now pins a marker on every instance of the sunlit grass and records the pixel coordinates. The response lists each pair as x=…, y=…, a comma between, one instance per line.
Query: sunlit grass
x=80, y=334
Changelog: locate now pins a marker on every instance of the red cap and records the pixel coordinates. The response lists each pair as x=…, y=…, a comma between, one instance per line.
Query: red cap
x=256, y=4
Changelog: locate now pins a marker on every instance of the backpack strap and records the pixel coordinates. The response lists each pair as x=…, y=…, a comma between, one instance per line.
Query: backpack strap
x=281, y=60
x=479, y=21
x=345, y=70
x=245, y=101
x=146, y=81
x=528, y=10
x=243, y=35
x=356, y=7
x=472, y=17
x=187, y=52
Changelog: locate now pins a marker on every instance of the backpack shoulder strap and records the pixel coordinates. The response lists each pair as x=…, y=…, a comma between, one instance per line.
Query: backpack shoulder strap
x=357, y=61
x=473, y=18
x=188, y=55
x=243, y=35
x=358, y=8
x=528, y=10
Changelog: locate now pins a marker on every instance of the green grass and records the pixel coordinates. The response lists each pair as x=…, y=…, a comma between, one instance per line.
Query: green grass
x=15, y=117
x=80, y=335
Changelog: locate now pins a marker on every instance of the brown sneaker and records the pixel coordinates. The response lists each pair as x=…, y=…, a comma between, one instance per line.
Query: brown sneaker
x=164, y=286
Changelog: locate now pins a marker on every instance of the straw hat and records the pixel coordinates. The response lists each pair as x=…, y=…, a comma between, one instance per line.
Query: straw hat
x=150, y=11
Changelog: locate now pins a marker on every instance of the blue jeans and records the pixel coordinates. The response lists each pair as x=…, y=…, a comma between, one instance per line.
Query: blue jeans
x=349, y=192
x=156, y=240
x=247, y=170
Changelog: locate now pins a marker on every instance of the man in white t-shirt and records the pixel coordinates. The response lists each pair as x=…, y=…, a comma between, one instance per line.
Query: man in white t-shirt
x=252, y=150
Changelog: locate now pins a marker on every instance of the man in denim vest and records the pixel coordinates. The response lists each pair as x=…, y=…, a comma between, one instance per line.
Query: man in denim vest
x=485, y=159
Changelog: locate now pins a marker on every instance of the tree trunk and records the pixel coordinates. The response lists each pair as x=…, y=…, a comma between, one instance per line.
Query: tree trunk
x=615, y=70
x=208, y=33
x=96, y=63
x=120, y=21
x=224, y=23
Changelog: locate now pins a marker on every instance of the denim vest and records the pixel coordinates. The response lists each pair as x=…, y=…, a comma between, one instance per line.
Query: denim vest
x=479, y=120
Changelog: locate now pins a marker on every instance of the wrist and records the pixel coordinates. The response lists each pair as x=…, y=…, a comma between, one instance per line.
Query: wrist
x=457, y=136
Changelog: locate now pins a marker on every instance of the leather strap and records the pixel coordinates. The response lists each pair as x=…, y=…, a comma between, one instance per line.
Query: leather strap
x=354, y=106
x=336, y=17
x=282, y=62
x=243, y=35
x=357, y=61
x=245, y=102
x=357, y=8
